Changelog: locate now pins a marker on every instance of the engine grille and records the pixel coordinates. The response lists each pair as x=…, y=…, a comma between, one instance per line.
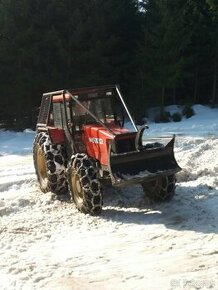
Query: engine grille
x=125, y=145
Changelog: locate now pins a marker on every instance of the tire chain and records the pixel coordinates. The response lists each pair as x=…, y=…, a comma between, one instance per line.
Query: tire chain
x=56, y=163
x=87, y=169
x=163, y=189
x=167, y=187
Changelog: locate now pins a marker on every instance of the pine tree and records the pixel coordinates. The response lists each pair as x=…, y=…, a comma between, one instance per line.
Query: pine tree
x=165, y=39
x=197, y=18
x=54, y=44
x=213, y=6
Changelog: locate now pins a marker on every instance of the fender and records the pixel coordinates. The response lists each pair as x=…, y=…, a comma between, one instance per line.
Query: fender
x=57, y=135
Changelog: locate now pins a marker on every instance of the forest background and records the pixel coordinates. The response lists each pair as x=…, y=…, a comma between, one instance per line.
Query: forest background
x=161, y=52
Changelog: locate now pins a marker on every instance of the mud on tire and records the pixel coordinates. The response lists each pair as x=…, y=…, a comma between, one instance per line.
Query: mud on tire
x=50, y=164
x=85, y=188
x=160, y=189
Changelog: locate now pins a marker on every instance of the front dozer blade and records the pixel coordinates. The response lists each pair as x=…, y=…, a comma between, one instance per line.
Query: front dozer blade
x=140, y=166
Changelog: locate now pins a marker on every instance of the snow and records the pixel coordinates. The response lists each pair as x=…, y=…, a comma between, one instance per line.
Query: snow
x=203, y=123
x=16, y=142
x=47, y=244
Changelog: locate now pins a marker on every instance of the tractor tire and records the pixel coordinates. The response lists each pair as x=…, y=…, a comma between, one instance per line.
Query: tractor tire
x=84, y=185
x=50, y=164
x=160, y=189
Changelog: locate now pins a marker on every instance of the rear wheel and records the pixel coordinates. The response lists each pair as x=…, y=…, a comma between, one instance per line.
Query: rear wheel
x=160, y=189
x=50, y=164
x=84, y=185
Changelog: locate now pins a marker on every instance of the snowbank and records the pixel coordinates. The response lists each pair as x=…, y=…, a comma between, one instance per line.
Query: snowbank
x=203, y=123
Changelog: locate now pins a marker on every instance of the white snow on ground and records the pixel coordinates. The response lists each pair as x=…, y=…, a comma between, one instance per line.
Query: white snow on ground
x=203, y=123
x=16, y=142
x=45, y=243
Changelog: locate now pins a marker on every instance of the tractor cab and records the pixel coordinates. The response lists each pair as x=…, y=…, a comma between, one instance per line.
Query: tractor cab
x=103, y=108
x=98, y=117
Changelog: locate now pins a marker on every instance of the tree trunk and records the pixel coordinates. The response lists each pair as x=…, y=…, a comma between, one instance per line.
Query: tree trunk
x=214, y=84
x=142, y=82
x=174, y=96
x=162, y=96
x=196, y=86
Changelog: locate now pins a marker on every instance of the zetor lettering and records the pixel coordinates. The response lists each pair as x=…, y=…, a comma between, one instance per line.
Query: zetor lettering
x=86, y=140
x=96, y=140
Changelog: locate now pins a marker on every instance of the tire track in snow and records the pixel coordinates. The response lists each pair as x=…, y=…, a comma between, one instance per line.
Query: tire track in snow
x=46, y=242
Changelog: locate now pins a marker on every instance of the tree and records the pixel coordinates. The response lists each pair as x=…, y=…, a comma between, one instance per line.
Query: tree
x=197, y=18
x=165, y=39
x=55, y=44
x=213, y=6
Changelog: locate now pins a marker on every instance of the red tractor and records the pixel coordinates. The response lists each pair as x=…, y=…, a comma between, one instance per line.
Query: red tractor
x=86, y=139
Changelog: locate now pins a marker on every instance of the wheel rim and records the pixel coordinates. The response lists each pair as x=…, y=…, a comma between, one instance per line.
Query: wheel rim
x=77, y=188
x=41, y=164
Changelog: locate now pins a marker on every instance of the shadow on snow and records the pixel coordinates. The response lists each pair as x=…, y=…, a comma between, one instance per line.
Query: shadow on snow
x=190, y=210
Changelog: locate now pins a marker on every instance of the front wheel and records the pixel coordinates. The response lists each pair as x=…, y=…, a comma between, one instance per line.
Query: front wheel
x=160, y=189
x=85, y=187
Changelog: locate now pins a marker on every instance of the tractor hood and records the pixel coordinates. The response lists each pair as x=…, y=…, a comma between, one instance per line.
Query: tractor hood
x=102, y=133
x=116, y=129
x=96, y=139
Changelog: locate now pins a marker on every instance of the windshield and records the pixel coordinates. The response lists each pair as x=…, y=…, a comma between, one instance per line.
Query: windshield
x=108, y=109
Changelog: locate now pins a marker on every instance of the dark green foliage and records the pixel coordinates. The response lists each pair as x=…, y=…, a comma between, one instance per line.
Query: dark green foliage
x=178, y=54
x=188, y=111
x=159, y=51
x=176, y=117
x=162, y=117
x=49, y=45
x=165, y=39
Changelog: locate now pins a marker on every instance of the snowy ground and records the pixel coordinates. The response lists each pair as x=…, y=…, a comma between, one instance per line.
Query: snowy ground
x=46, y=243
